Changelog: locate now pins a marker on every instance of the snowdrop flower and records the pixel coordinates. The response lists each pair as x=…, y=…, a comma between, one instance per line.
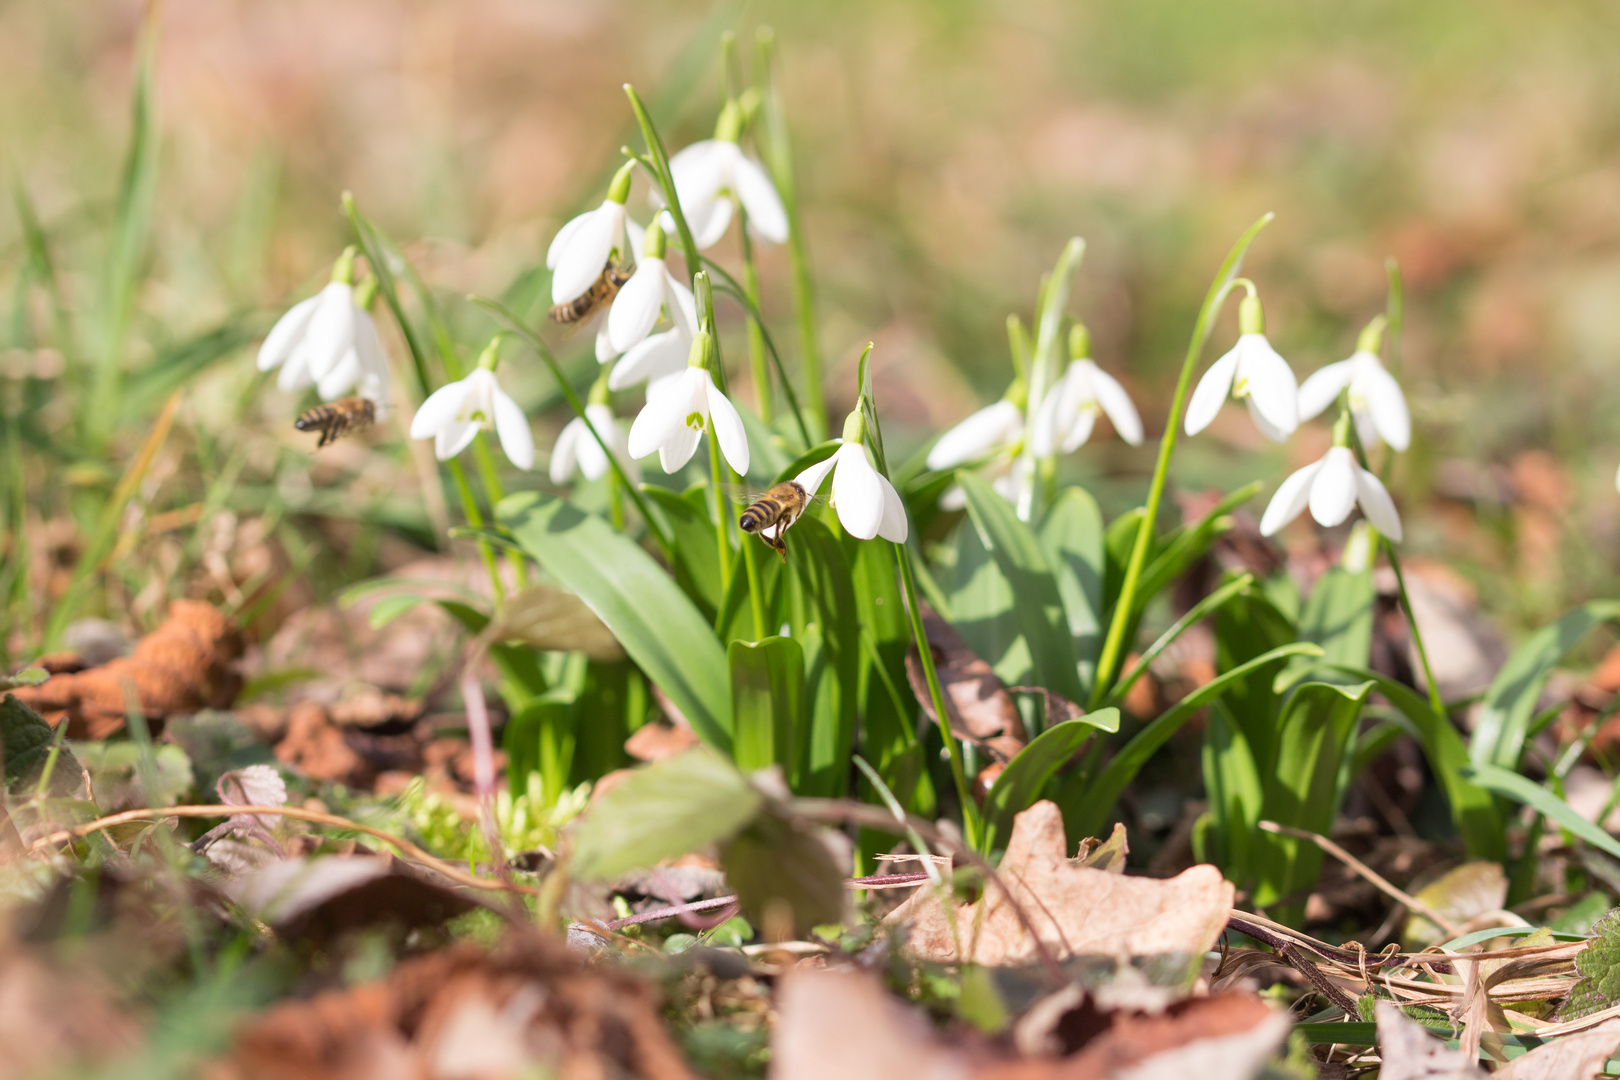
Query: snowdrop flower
x=866, y=502
x=709, y=174
x=1376, y=400
x=583, y=246
x=993, y=428
x=656, y=357
x=1332, y=487
x=577, y=450
x=453, y=414
x=330, y=341
x=1251, y=372
x=651, y=289
x=1069, y=411
x=681, y=407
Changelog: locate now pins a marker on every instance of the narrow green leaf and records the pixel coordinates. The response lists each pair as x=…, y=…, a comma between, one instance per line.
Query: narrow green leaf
x=1526, y=791
x=767, y=702
x=1026, y=775
x=660, y=629
x=1510, y=703
x=695, y=558
x=1072, y=536
x=1037, y=602
x=1104, y=792
x=672, y=807
x=1338, y=616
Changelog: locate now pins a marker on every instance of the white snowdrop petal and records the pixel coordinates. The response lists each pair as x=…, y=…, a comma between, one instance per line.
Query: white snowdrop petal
x=1289, y=500
x=517, y=440
x=668, y=404
x=1319, y=391
x=675, y=453
x=765, y=211
x=727, y=426
x=439, y=409
x=984, y=431
x=331, y=329
x=1386, y=403
x=1043, y=428
x=342, y=376
x=593, y=462
x=894, y=525
x=1211, y=392
x=708, y=218
x=294, y=374
x=1116, y=403
x=812, y=478
x=1333, y=492
x=453, y=439
x=565, y=235
x=1271, y=384
x=563, y=456
x=856, y=492
x=657, y=355
x=1377, y=505
x=278, y=344
x=1084, y=421
x=604, y=344
x=582, y=261
x=1265, y=426
x=681, y=305
x=635, y=309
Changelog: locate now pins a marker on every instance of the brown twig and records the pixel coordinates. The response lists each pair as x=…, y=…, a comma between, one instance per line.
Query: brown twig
x=1372, y=876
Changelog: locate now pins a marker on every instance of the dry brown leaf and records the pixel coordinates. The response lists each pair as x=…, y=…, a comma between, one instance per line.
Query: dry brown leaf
x=1075, y=910
x=1109, y=855
x=836, y=1025
x=1570, y=1057
x=981, y=709
x=1409, y=1052
x=1461, y=894
x=53, y=1016
x=326, y=896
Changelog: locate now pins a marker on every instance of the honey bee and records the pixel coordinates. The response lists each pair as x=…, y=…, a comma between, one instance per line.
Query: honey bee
x=334, y=419
x=595, y=298
x=778, y=507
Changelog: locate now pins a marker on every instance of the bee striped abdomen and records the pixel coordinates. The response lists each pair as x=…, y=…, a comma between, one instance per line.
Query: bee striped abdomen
x=593, y=299
x=337, y=418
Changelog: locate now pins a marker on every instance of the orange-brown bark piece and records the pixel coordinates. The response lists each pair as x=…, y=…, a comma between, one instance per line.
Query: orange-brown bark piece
x=182, y=666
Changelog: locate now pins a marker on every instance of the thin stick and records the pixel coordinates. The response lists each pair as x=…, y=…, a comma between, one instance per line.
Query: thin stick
x=1376, y=879
x=405, y=847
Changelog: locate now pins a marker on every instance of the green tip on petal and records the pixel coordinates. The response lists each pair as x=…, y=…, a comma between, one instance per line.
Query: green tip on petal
x=1372, y=336
x=702, y=351
x=343, y=269
x=619, y=188
x=1079, y=342
x=1251, y=318
x=729, y=127
x=855, y=427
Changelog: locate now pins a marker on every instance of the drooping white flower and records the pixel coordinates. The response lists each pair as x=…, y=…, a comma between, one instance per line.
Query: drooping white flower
x=651, y=290
x=991, y=429
x=453, y=414
x=330, y=341
x=866, y=502
x=1069, y=411
x=577, y=450
x=1251, y=372
x=1333, y=486
x=1376, y=400
x=583, y=246
x=710, y=174
x=680, y=408
x=656, y=356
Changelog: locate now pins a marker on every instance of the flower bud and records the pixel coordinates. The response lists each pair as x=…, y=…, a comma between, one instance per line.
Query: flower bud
x=343, y=269
x=855, y=427
x=729, y=127
x=653, y=246
x=365, y=293
x=702, y=352
x=600, y=394
x=1251, y=319
x=703, y=299
x=619, y=188
x=1079, y=342
x=491, y=354
x=1372, y=336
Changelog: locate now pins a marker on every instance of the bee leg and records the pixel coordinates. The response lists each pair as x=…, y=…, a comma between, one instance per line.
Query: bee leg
x=780, y=544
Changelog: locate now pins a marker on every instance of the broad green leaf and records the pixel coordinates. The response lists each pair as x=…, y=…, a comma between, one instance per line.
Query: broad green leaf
x=1117, y=543
x=1510, y=703
x=819, y=452
x=389, y=608
x=1236, y=795
x=1304, y=789
x=1072, y=538
x=25, y=741
x=1477, y=817
x=1104, y=792
x=540, y=737
x=1246, y=627
x=981, y=609
x=822, y=612
x=1026, y=775
x=1037, y=603
x=767, y=702
x=770, y=452
x=28, y=676
x=691, y=525
x=671, y=807
x=1338, y=616
x=774, y=862
x=1599, y=966
x=1526, y=791
x=519, y=666
x=660, y=629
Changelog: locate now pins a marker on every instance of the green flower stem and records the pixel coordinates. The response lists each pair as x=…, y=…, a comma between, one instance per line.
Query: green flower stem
x=722, y=503
x=521, y=330
x=495, y=493
x=1114, y=643
x=475, y=518
x=970, y=815
x=756, y=591
x=779, y=160
x=756, y=340
x=731, y=288
x=1043, y=369
x=615, y=502
x=666, y=179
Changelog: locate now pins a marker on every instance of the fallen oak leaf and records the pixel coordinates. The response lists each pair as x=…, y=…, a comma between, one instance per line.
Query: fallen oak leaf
x=1073, y=909
x=981, y=710
x=1409, y=1052
x=329, y=895
x=1580, y=1056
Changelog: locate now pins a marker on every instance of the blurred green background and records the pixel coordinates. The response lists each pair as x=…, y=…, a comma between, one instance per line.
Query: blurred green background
x=945, y=150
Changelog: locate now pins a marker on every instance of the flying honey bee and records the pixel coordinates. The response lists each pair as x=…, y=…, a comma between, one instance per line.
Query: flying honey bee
x=779, y=507
x=334, y=419
x=595, y=298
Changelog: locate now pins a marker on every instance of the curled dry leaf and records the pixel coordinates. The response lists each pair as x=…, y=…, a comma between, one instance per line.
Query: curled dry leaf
x=1409, y=1052
x=182, y=666
x=325, y=896
x=547, y=618
x=1580, y=1056
x=1462, y=894
x=1076, y=910
x=981, y=709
